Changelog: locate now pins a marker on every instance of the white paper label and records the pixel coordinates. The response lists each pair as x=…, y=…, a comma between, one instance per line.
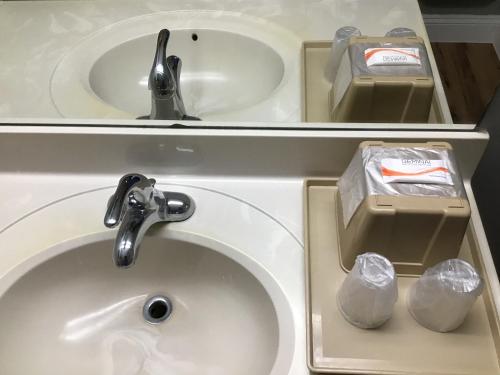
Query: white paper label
x=420, y=171
x=392, y=56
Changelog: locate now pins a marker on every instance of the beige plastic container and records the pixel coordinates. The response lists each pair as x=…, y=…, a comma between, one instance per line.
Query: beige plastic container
x=316, y=105
x=401, y=346
x=380, y=98
x=413, y=232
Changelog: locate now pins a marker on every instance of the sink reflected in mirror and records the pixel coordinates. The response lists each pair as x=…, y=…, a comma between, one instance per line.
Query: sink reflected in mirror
x=234, y=68
x=221, y=72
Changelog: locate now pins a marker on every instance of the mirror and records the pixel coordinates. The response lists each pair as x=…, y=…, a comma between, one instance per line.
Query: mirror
x=240, y=64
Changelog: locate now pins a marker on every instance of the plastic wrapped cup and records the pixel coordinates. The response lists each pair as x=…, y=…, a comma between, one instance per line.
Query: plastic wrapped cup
x=369, y=292
x=442, y=297
x=339, y=45
x=400, y=32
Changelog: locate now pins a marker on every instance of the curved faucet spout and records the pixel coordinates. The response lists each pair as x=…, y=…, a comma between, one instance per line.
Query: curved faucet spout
x=134, y=225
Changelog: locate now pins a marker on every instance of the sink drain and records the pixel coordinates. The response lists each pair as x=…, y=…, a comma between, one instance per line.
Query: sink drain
x=157, y=309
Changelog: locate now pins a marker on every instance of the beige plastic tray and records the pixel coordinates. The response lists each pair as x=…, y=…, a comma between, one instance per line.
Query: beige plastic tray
x=401, y=346
x=316, y=87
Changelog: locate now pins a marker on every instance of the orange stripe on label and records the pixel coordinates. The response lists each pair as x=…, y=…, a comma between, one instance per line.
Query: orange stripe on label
x=377, y=50
x=390, y=172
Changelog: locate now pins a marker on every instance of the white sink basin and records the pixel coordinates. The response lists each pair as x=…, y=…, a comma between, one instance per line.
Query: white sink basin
x=237, y=308
x=79, y=308
x=221, y=72
x=234, y=67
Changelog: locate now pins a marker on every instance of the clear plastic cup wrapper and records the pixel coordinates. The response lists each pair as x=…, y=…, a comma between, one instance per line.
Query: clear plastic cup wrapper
x=339, y=46
x=369, y=292
x=442, y=297
x=401, y=32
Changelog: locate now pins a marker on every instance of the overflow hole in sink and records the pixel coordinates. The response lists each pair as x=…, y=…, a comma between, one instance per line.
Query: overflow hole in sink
x=194, y=36
x=157, y=309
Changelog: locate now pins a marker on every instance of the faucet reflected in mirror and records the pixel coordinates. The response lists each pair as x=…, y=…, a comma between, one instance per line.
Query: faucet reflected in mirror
x=165, y=84
x=136, y=206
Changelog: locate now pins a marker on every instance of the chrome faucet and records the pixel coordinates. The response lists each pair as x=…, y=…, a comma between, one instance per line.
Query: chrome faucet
x=137, y=205
x=165, y=84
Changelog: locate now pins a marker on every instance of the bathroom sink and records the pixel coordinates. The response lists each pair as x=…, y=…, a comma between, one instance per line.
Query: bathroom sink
x=221, y=72
x=84, y=312
x=208, y=295
x=234, y=67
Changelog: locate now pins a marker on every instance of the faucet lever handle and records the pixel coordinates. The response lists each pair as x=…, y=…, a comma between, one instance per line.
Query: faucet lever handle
x=116, y=202
x=161, y=80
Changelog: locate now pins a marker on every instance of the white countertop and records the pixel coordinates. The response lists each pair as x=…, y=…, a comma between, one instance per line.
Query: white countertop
x=264, y=170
